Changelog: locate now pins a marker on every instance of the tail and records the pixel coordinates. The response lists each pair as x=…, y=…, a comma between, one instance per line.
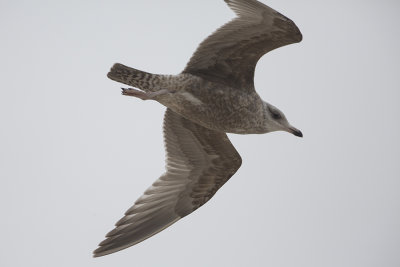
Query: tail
x=133, y=77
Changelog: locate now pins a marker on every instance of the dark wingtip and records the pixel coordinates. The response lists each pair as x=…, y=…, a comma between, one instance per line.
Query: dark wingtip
x=100, y=252
x=96, y=254
x=298, y=36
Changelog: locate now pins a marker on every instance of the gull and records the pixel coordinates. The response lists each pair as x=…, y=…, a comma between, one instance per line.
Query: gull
x=214, y=95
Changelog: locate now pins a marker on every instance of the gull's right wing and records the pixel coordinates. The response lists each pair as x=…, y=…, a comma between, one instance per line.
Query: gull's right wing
x=230, y=54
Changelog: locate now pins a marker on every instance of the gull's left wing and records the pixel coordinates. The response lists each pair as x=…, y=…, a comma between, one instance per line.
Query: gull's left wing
x=198, y=162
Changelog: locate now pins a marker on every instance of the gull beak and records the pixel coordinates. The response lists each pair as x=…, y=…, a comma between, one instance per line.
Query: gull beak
x=295, y=131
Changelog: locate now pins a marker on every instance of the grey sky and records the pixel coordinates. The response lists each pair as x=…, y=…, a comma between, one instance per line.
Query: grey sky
x=75, y=154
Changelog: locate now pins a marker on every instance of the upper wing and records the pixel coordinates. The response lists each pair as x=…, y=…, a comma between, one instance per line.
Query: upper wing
x=198, y=162
x=230, y=54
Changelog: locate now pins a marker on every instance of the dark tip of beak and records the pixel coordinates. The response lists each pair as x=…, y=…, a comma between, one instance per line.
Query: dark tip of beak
x=296, y=132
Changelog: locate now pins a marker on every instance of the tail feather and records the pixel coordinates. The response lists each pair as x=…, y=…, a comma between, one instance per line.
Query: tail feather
x=133, y=77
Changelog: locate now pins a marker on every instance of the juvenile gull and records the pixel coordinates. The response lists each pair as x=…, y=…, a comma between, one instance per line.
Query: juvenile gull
x=214, y=95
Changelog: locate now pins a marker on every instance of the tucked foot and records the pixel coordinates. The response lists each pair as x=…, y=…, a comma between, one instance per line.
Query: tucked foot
x=135, y=93
x=143, y=95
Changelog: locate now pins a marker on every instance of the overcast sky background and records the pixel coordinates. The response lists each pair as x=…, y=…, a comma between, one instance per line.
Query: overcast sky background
x=75, y=154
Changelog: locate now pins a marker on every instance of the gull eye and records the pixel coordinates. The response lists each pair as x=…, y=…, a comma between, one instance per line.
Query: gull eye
x=276, y=116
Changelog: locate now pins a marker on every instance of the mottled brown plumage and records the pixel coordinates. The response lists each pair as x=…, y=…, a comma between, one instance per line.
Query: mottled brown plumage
x=229, y=56
x=214, y=95
x=199, y=161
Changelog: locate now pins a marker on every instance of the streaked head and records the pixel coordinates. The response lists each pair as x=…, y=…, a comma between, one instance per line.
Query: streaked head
x=275, y=120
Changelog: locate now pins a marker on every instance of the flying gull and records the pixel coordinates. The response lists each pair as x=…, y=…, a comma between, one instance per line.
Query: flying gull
x=213, y=95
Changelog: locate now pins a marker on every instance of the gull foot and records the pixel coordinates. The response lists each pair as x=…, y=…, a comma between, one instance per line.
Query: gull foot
x=143, y=95
x=135, y=93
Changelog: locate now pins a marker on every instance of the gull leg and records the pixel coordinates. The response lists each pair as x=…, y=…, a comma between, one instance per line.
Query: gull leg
x=143, y=95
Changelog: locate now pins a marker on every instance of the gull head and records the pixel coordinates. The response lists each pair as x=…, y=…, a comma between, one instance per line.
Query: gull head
x=275, y=120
